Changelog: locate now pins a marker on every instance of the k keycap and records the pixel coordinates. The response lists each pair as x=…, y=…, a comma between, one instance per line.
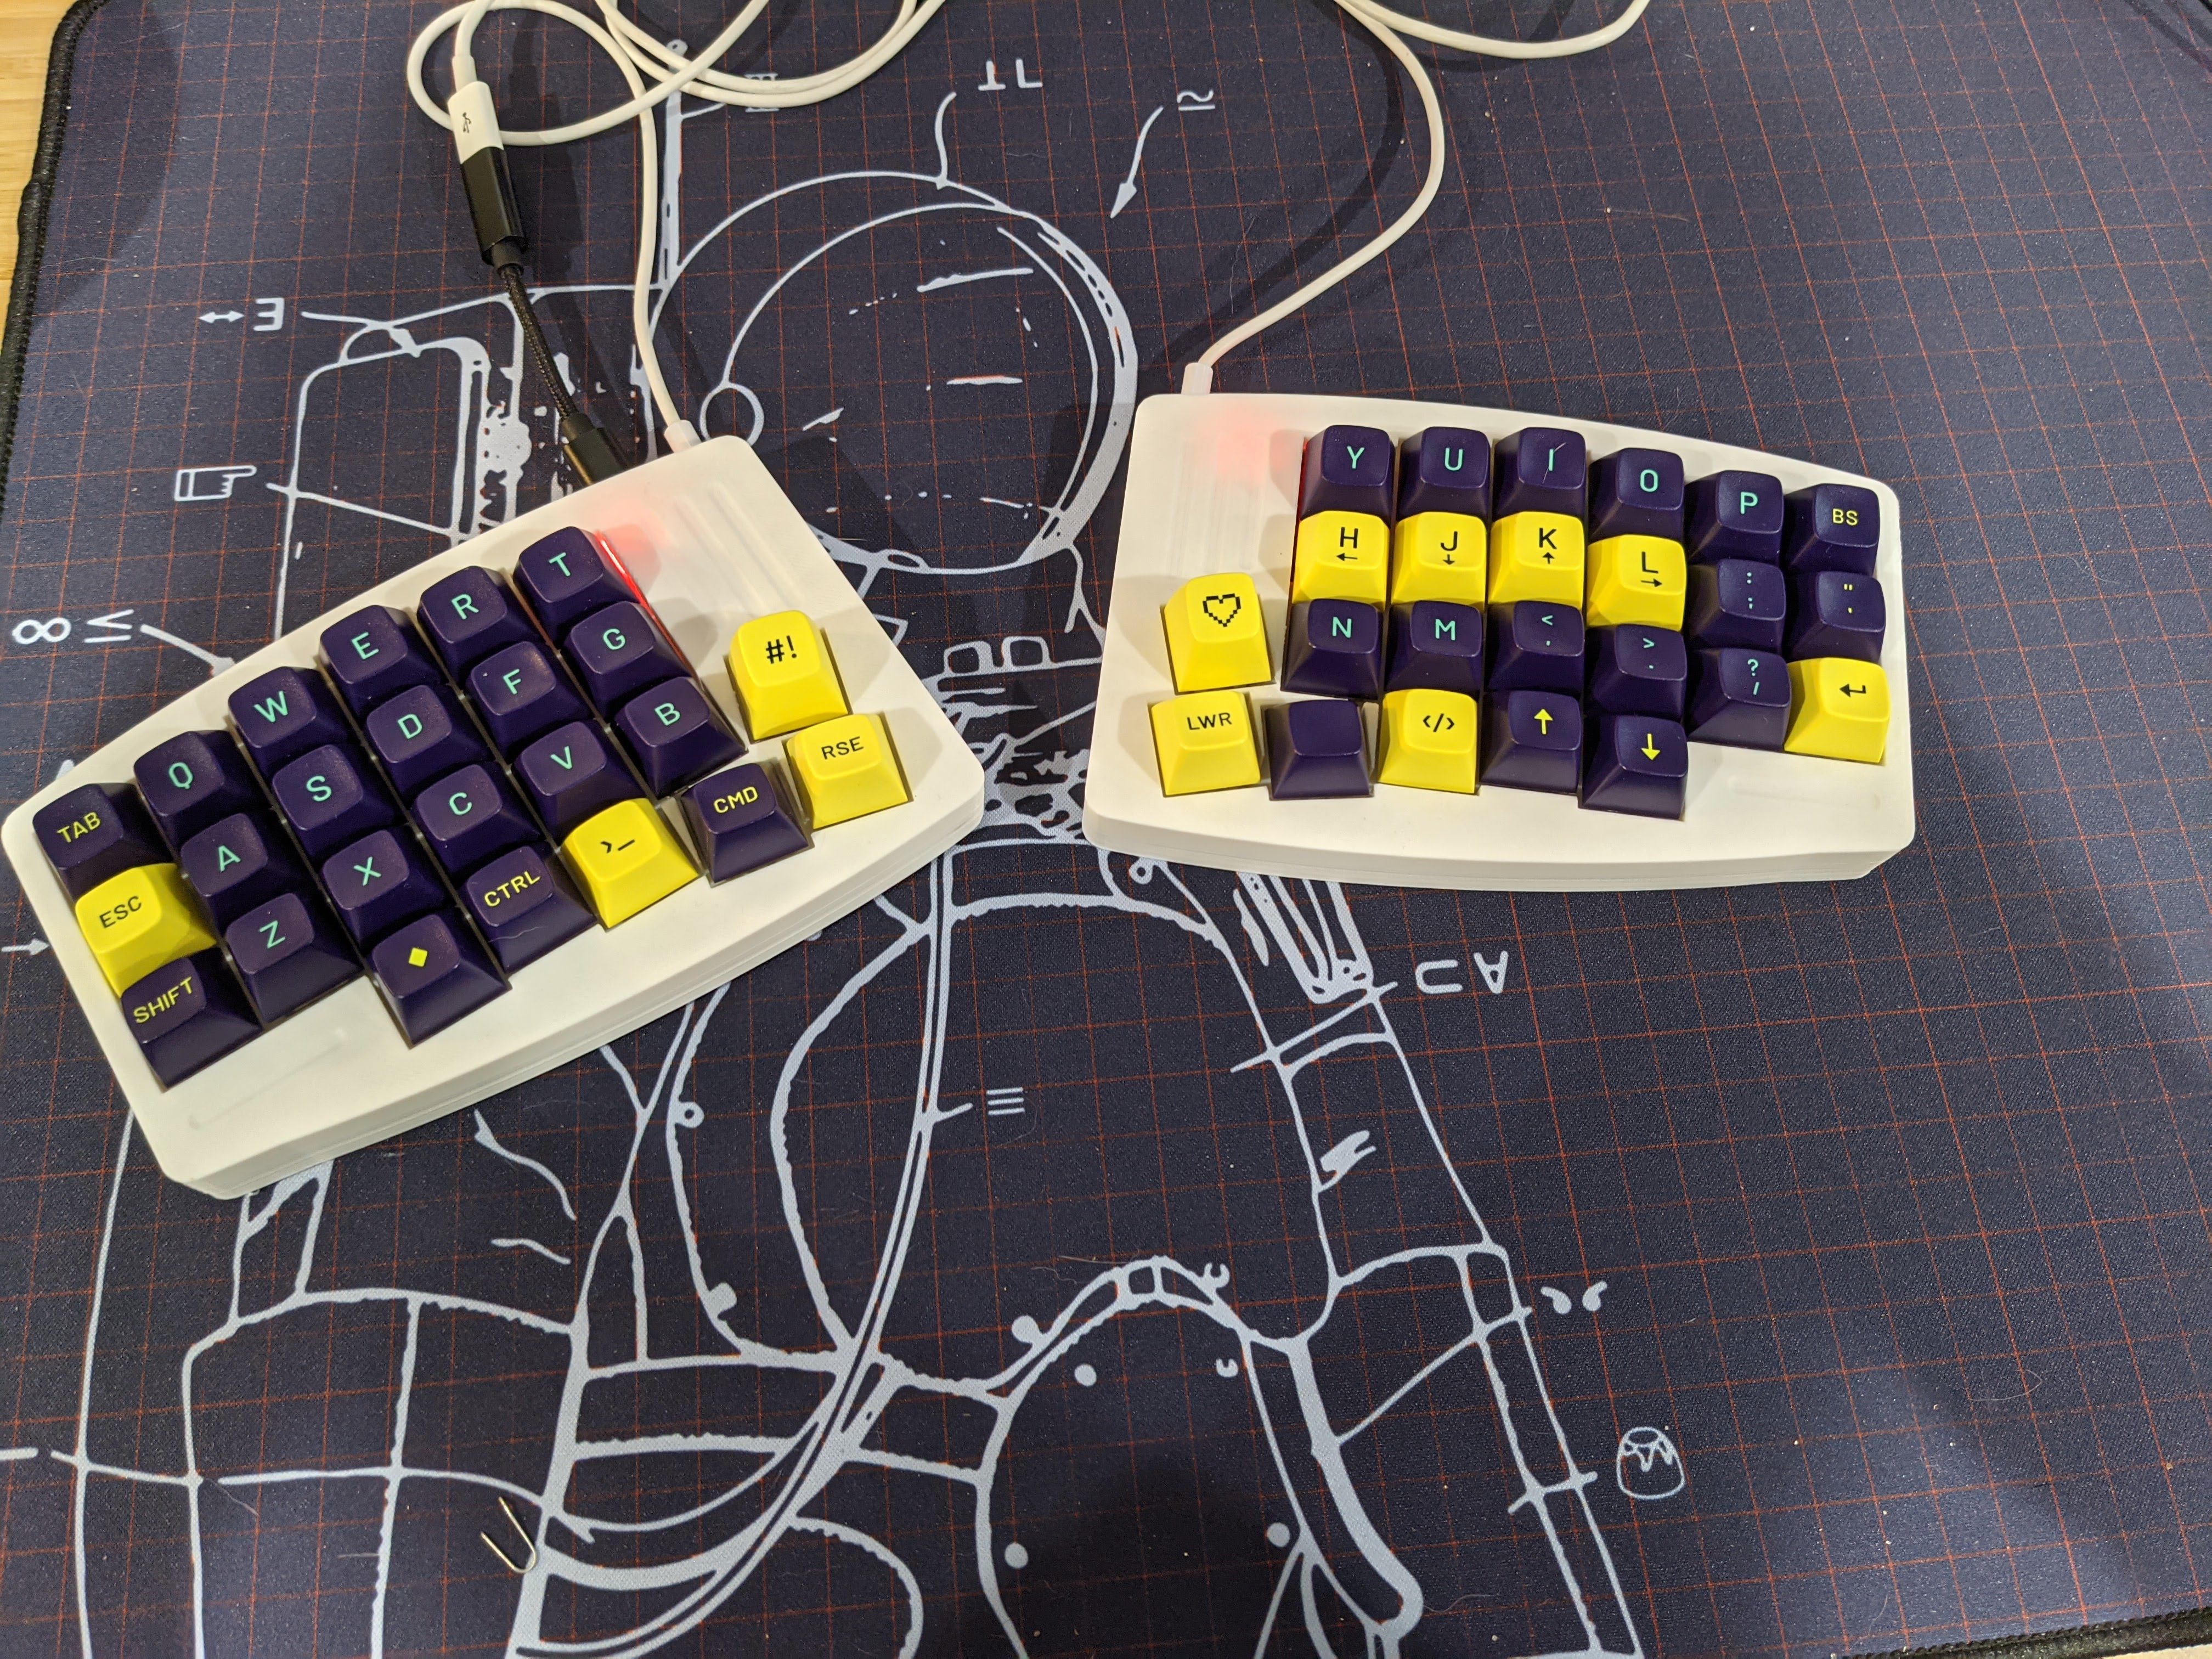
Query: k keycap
x=1638, y=764
x=192, y=780
x=1739, y=697
x=1638, y=671
x=95, y=832
x=432, y=973
x=284, y=712
x=1836, y=613
x=187, y=1015
x=571, y=772
x=468, y=615
x=1740, y=602
x=521, y=694
x=1636, y=492
x=1540, y=469
x=1445, y=469
x=1436, y=646
x=675, y=735
x=331, y=796
x=288, y=952
x=1832, y=526
x=1317, y=750
x=566, y=576
x=238, y=864
x=1536, y=647
x=1736, y=515
x=525, y=906
x=1335, y=649
x=379, y=882
x=470, y=818
x=1348, y=469
x=617, y=652
x=743, y=819
x=421, y=735
x=373, y=653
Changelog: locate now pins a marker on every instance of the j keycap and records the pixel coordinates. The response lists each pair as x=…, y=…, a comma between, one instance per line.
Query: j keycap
x=1832, y=526
x=96, y=832
x=675, y=735
x=618, y=653
x=468, y=615
x=525, y=905
x=282, y=714
x=1739, y=697
x=373, y=653
x=329, y=796
x=1439, y=556
x=571, y=772
x=1335, y=649
x=1437, y=646
x=379, y=882
x=1533, y=740
x=521, y=694
x=1638, y=671
x=566, y=576
x=1317, y=750
x=237, y=864
x=1740, y=602
x=432, y=972
x=1540, y=469
x=187, y=1014
x=421, y=735
x=1445, y=469
x=470, y=818
x=1636, y=492
x=743, y=819
x=1536, y=647
x=1736, y=515
x=288, y=952
x=1836, y=613
x=1348, y=469
x=1637, y=763
x=192, y=780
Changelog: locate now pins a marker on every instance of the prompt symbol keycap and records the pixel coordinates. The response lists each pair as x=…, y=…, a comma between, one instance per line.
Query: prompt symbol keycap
x=1229, y=605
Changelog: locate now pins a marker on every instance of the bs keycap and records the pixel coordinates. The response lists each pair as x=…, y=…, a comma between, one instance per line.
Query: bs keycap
x=373, y=653
x=431, y=973
x=571, y=772
x=283, y=714
x=1317, y=750
x=1832, y=526
x=1636, y=492
x=1541, y=469
x=1637, y=763
x=618, y=653
x=1638, y=671
x=193, y=779
x=468, y=615
x=742, y=819
x=1739, y=697
x=1836, y=613
x=1445, y=469
x=1536, y=648
x=329, y=796
x=1436, y=646
x=1348, y=469
x=1736, y=602
x=421, y=735
x=186, y=1014
x=521, y=693
x=95, y=832
x=470, y=818
x=379, y=882
x=1736, y=515
x=567, y=575
x=525, y=905
x=238, y=863
x=676, y=735
x=1335, y=649
x=1533, y=740
x=288, y=952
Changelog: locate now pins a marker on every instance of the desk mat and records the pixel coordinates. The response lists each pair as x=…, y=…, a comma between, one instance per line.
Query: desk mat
x=1071, y=1255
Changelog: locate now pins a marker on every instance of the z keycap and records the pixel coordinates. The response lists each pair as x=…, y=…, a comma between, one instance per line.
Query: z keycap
x=288, y=952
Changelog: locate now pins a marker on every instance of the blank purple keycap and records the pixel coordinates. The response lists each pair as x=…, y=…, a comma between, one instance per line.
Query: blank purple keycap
x=187, y=1015
x=288, y=952
x=237, y=864
x=566, y=576
x=1335, y=649
x=284, y=712
x=1437, y=645
x=676, y=735
x=1533, y=740
x=1831, y=526
x=1317, y=751
x=1348, y=469
x=1739, y=697
x=1638, y=671
x=470, y=818
x=521, y=694
x=742, y=820
x=329, y=796
x=1536, y=646
x=432, y=972
x=571, y=772
x=421, y=735
x=1637, y=763
x=192, y=780
x=468, y=615
x=95, y=832
x=1636, y=492
x=1736, y=602
x=1540, y=469
x=379, y=882
x=1836, y=613
x=618, y=653
x=373, y=653
x=1445, y=469
x=526, y=905
x=1735, y=515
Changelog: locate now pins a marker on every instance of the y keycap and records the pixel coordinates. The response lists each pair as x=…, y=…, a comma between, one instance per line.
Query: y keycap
x=742, y=820
x=284, y=712
x=525, y=906
x=1541, y=469
x=331, y=796
x=288, y=952
x=95, y=832
x=1739, y=697
x=237, y=864
x=186, y=1015
x=1536, y=647
x=1636, y=492
x=675, y=735
x=1335, y=649
x=571, y=772
x=1348, y=469
x=567, y=575
x=1736, y=515
x=421, y=735
x=1445, y=469
x=1533, y=740
x=1637, y=763
x=192, y=780
x=468, y=615
x=1436, y=646
x=521, y=694
x=1638, y=671
x=618, y=653
x=1832, y=526
x=1836, y=613
x=1740, y=602
x=432, y=972
x=379, y=882
x=373, y=654
x=1317, y=750
x=470, y=818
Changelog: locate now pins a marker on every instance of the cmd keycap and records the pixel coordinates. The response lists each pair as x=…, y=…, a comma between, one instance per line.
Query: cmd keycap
x=742, y=820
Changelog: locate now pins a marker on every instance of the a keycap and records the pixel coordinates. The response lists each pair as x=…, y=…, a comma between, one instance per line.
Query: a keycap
x=1739, y=697
x=95, y=833
x=1439, y=556
x=331, y=796
x=1216, y=636
x=1839, y=710
x=525, y=905
x=373, y=653
x=420, y=736
x=1540, y=469
x=379, y=882
x=1436, y=646
x=284, y=712
x=1535, y=647
x=571, y=772
x=1445, y=469
x=138, y=920
x=1832, y=526
x=844, y=769
x=1836, y=613
x=1426, y=740
x=1740, y=602
x=1637, y=763
x=785, y=680
x=520, y=693
x=237, y=864
x=1638, y=671
x=628, y=858
x=468, y=615
x=432, y=972
x=566, y=576
x=192, y=780
x=617, y=654
x=1636, y=578
x=1735, y=515
x=1636, y=492
x=1333, y=649
x=1533, y=740
x=1348, y=469
x=288, y=952
x=676, y=735
x=1536, y=555
x=1341, y=555
x=470, y=818
x=1317, y=750
x=1205, y=741
x=187, y=1014
x=742, y=820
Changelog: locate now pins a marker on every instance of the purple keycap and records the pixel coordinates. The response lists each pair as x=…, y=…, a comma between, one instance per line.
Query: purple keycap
x=373, y=653
x=421, y=735
x=468, y=615
x=432, y=972
x=187, y=1015
x=566, y=576
x=379, y=882
x=284, y=712
x=1335, y=649
x=1435, y=644
x=1536, y=646
x=1638, y=671
x=1735, y=515
x=1533, y=740
x=1836, y=613
x=1347, y=469
x=676, y=735
x=329, y=796
x=520, y=693
x=1315, y=751
x=1736, y=602
x=237, y=864
x=288, y=952
x=470, y=818
x=525, y=905
x=571, y=772
x=743, y=819
x=1738, y=697
x=617, y=652
x=1637, y=763
x=1831, y=526
x=1540, y=469
x=95, y=832
x=1636, y=492
x=192, y=780
x=1445, y=469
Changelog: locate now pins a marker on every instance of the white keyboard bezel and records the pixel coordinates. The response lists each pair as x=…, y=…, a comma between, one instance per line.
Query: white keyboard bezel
x=1214, y=487
x=337, y=1075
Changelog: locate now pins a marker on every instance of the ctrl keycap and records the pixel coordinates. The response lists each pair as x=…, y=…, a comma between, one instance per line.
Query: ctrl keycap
x=432, y=973
x=93, y=834
x=186, y=1015
x=740, y=817
x=526, y=906
x=137, y=920
x=1205, y=742
x=288, y=952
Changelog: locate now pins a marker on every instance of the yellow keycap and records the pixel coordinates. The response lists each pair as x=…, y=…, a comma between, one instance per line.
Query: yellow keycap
x=847, y=768
x=1536, y=555
x=1838, y=709
x=1636, y=582
x=140, y=920
x=1205, y=742
x=628, y=858
x=1428, y=740
x=1215, y=634
x=783, y=674
x=1438, y=555
x=1341, y=555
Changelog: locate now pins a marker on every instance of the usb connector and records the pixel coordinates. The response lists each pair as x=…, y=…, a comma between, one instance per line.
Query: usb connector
x=483, y=155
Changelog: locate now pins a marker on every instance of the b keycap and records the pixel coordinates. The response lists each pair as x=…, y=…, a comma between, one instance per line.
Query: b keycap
x=675, y=735
x=192, y=780
x=288, y=952
x=742, y=820
x=95, y=832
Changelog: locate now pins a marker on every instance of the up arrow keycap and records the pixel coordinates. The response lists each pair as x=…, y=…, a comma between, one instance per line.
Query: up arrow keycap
x=1544, y=720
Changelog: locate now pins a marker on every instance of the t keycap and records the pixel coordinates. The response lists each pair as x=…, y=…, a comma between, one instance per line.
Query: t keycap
x=284, y=712
x=432, y=972
x=470, y=818
x=1836, y=613
x=571, y=772
x=187, y=1014
x=1541, y=469
x=237, y=864
x=192, y=780
x=1348, y=469
x=379, y=882
x=1533, y=740
x=1736, y=515
x=1636, y=764
x=373, y=653
x=1536, y=646
x=522, y=694
x=1445, y=469
x=288, y=952
x=525, y=905
x=1736, y=602
x=1636, y=492
x=95, y=832
x=421, y=735
x=567, y=575
x=1832, y=526
x=468, y=615
x=743, y=820
x=1335, y=649
x=1739, y=697
x=1317, y=750
x=1638, y=671
x=618, y=653
x=676, y=735
x=329, y=796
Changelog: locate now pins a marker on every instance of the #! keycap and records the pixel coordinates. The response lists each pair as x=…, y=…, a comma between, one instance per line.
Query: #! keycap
x=329, y=796
x=1436, y=646
x=192, y=780
x=1637, y=578
x=676, y=735
x=1216, y=634
x=283, y=714
x=567, y=575
x=236, y=864
x=845, y=768
x=1739, y=697
x=1736, y=515
x=1541, y=469
x=93, y=833
x=1636, y=492
x=421, y=735
x=288, y=953
x=1832, y=526
x=1348, y=469
x=470, y=818
x=186, y=1014
x=630, y=858
x=1638, y=671
x=743, y=821
x=373, y=653
x=1335, y=649
x=618, y=653
x=468, y=615
x=1736, y=602
x=1439, y=556
x=1840, y=709
x=781, y=667
x=379, y=882
x=1638, y=764
x=1533, y=740
x=1341, y=555
x=521, y=694
x=1426, y=740
x=569, y=773
x=431, y=973
x=1836, y=613
x=1205, y=741
x=1445, y=469
x=526, y=905
x=1317, y=750
x=139, y=920
x=1536, y=555
x=1536, y=648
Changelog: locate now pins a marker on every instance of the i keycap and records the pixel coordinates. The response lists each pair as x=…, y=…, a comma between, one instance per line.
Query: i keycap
x=1541, y=469
x=373, y=654
x=186, y=1015
x=379, y=882
x=525, y=906
x=742, y=820
x=675, y=735
x=432, y=972
x=192, y=780
x=1317, y=750
x=93, y=833
x=1335, y=649
x=289, y=953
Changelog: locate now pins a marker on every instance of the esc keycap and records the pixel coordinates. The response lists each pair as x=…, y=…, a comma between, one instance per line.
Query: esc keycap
x=187, y=1014
x=95, y=832
x=191, y=781
x=135, y=921
x=288, y=952
x=742, y=819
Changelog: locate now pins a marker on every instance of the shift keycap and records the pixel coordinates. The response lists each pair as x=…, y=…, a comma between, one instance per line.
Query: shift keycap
x=1736, y=515
x=1205, y=741
x=237, y=864
x=618, y=653
x=288, y=952
x=379, y=882
x=1636, y=492
x=432, y=972
x=676, y=735
x=571, y=772
x=95, y=832
x=1317, y=750
x=1638, y=764
x=781, y=667
x=421, y=735
x=468, y=615
x=470, y=818
x=192, y=780
x=1637, y=578
x=186, y=1014
x=329, y=796
x=1436, y=646
x=1736, y=602
x=567, y=575
x=1739, y=697
x=1839, y=710
x=136, y=921
x=741, y=818
x=373, y=654
x=1832, y=526
x=1335, y=649
x=1533, y=740
x=1836, y=613
x=521, y=693
x=1445, y=469
x=1638, y=671
x=1427, y=741
x=1439, y=556
x=1536, y=555
x=1536, y=648
x=1541, y=469
x=630, y=858
x=1348, y=469
x=1341, y=555
x=845, y=768
x=1216, y=636
x=283, y=714
x=525, y=905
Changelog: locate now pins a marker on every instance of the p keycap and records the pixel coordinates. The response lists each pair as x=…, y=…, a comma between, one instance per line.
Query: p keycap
x=1736, y=515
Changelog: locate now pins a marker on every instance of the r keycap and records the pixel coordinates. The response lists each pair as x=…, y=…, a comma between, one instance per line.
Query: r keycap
x=468, y=615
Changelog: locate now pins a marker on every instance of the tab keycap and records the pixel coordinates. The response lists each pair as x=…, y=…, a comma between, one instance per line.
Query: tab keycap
x=95, y=832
